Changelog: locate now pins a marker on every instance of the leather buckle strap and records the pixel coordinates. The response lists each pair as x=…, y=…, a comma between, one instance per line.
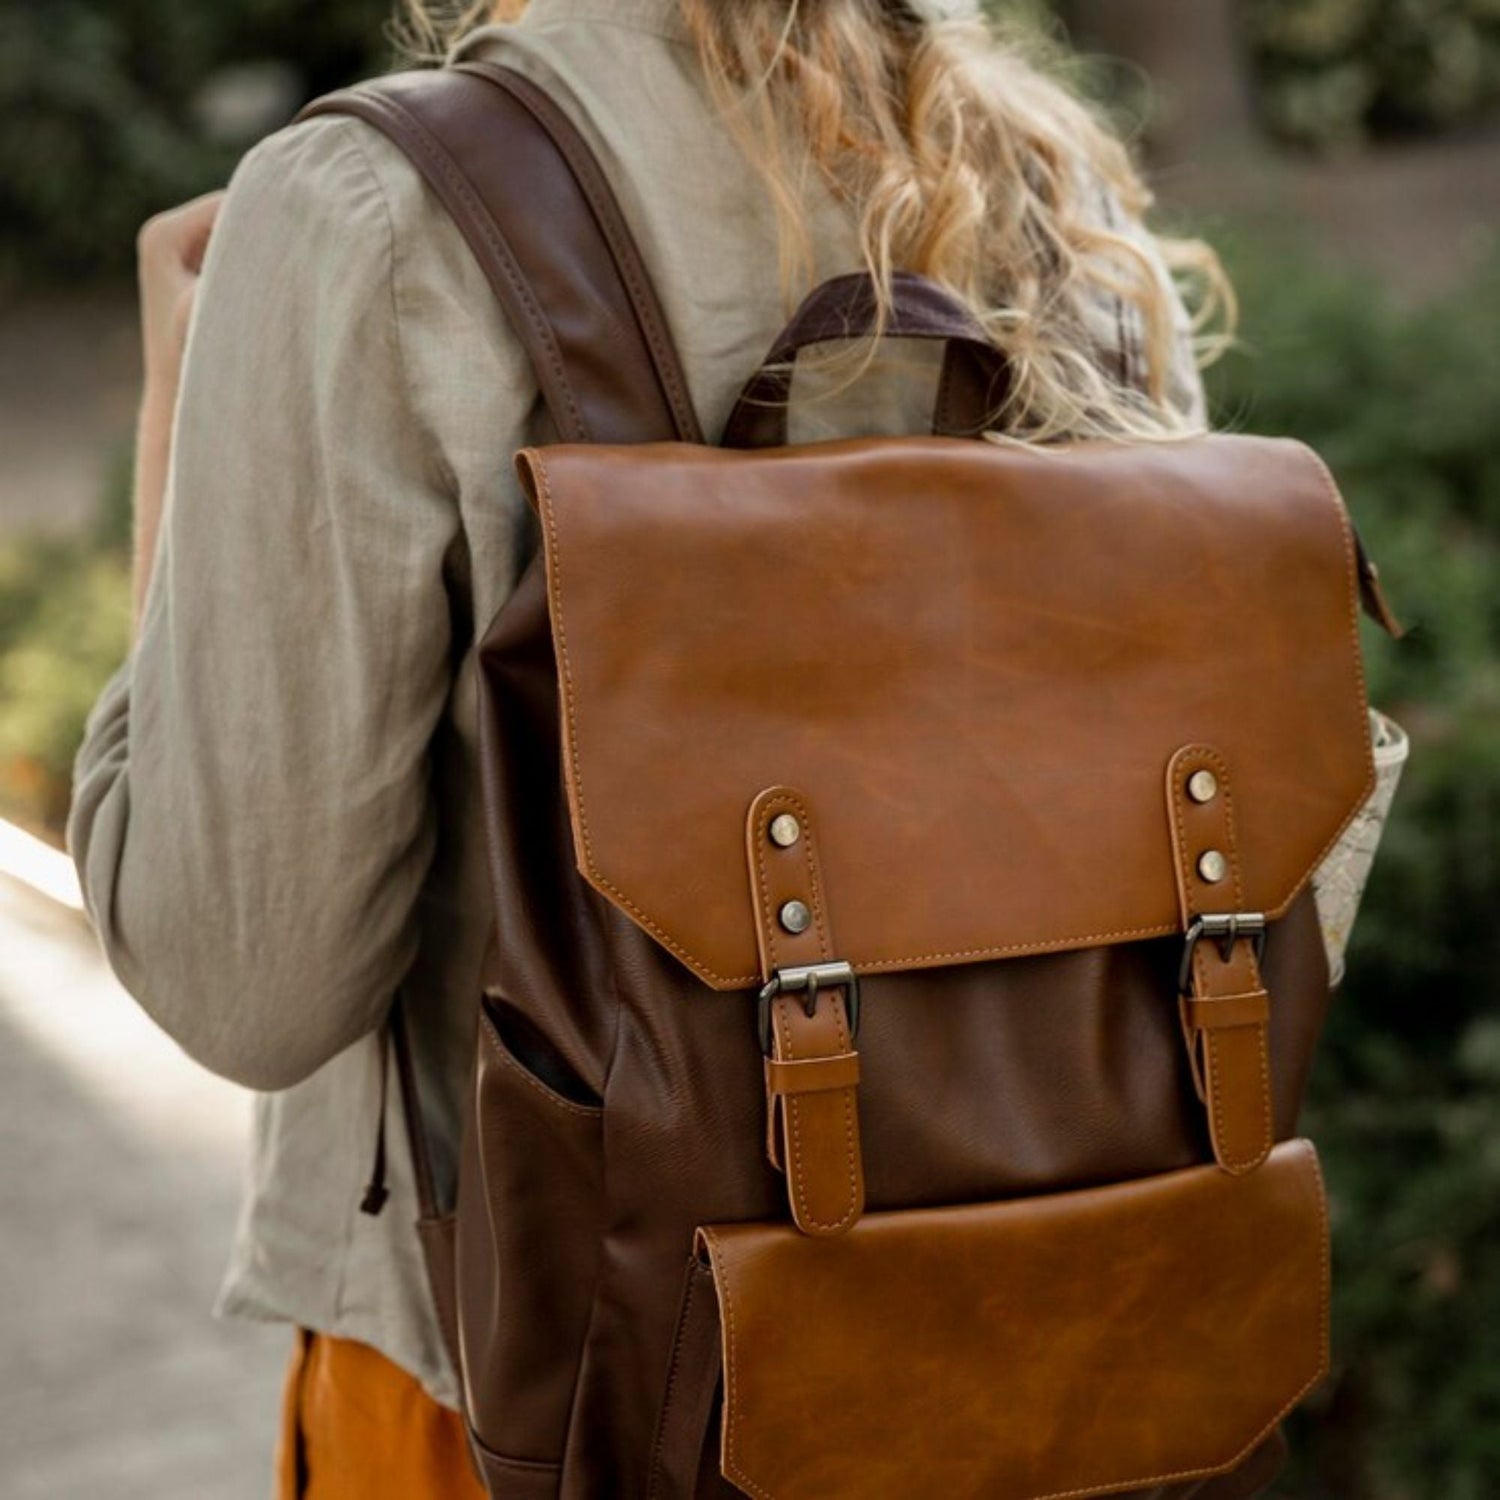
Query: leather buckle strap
x=1225, y=929
x=808, y=979
x=809, y=1010
x=1225, y=1011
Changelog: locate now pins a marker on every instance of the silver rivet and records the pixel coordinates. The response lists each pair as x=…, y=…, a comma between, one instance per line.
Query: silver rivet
x=1212, y=866
x=1203, y=786
x=785, y=830
x=795, y=916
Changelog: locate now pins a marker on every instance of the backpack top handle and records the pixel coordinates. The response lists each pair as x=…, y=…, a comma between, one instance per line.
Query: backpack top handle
x=975, y=383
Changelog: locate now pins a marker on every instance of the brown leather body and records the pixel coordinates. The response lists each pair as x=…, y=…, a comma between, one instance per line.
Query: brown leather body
x=980, y=1082
x=977, y=677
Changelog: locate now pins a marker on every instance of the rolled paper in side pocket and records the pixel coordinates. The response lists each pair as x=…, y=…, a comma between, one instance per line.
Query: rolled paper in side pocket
x=1339, y=882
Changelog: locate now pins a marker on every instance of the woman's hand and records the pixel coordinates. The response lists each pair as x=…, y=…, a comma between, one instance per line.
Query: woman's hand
x=169, y=255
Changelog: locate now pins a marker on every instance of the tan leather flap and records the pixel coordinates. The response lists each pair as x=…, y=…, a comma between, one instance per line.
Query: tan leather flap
x=1115, y=1338
x=974, y=661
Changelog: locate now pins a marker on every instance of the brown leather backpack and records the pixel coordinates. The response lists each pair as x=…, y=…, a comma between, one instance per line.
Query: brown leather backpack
x=905, y=974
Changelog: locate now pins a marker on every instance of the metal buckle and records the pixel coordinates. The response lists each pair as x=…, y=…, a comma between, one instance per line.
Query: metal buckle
x=810, y=978
x=1226, y=928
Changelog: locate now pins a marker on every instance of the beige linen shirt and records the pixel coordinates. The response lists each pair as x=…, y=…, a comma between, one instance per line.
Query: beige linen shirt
x=276, y=811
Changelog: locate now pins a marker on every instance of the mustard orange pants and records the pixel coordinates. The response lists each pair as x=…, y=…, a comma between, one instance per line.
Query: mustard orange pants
x=356, y=1427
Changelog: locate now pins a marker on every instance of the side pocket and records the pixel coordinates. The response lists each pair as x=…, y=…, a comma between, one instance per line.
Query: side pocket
x=692, y=1386
x=530, y=1223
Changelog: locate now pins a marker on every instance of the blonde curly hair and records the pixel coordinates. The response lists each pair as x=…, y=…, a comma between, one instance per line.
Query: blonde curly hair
x=963, y=156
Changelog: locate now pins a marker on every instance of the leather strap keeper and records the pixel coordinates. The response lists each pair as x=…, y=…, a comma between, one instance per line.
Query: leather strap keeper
x=812, y=1072
x=813, y=1075
x=1226, y=1014
x=1209, y=1014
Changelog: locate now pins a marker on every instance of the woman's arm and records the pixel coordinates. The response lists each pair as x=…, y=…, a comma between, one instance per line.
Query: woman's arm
x=251, y=819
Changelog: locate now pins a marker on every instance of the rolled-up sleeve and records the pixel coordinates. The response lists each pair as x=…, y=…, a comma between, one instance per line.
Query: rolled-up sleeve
x=251, y=818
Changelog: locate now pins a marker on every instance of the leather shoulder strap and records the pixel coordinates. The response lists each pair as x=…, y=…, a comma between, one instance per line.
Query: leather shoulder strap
x=523, y=186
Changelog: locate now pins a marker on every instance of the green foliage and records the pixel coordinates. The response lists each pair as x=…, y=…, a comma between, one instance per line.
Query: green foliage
x=1335, y=70
x=1406, y=1098
x=105, y=117
x=64, y=627
x=102, y=117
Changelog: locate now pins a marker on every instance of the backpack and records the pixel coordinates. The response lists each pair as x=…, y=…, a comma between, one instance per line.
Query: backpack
x=905, y=974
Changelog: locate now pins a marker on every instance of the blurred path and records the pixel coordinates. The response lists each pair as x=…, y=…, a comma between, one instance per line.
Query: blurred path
x=69, y=382
x=119, y=1171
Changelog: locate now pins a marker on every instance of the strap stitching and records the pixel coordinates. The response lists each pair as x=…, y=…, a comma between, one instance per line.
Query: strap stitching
x=507, y=1059
x=764, y=922
x=797, y=1071
x=1266, y=1127
x=484, y=225
x=731, y=1365
x=610, y=218
x=719, y=980
x=1208, y=1003
x=1177, y=773
x=1316, y=1176
x=791, y=1103
x=673, y=1369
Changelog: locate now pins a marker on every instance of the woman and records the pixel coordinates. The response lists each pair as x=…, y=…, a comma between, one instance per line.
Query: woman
x=272, y=811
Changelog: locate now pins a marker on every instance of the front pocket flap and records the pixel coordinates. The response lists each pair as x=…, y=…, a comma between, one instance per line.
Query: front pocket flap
x=1108, y=1339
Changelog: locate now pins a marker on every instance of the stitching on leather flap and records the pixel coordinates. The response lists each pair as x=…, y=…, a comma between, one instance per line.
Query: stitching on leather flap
x=667, y=931
x=732, y=1251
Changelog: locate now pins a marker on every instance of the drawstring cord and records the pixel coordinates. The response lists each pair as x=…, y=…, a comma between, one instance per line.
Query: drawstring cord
x=376, y=1192
x=395, y=1051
